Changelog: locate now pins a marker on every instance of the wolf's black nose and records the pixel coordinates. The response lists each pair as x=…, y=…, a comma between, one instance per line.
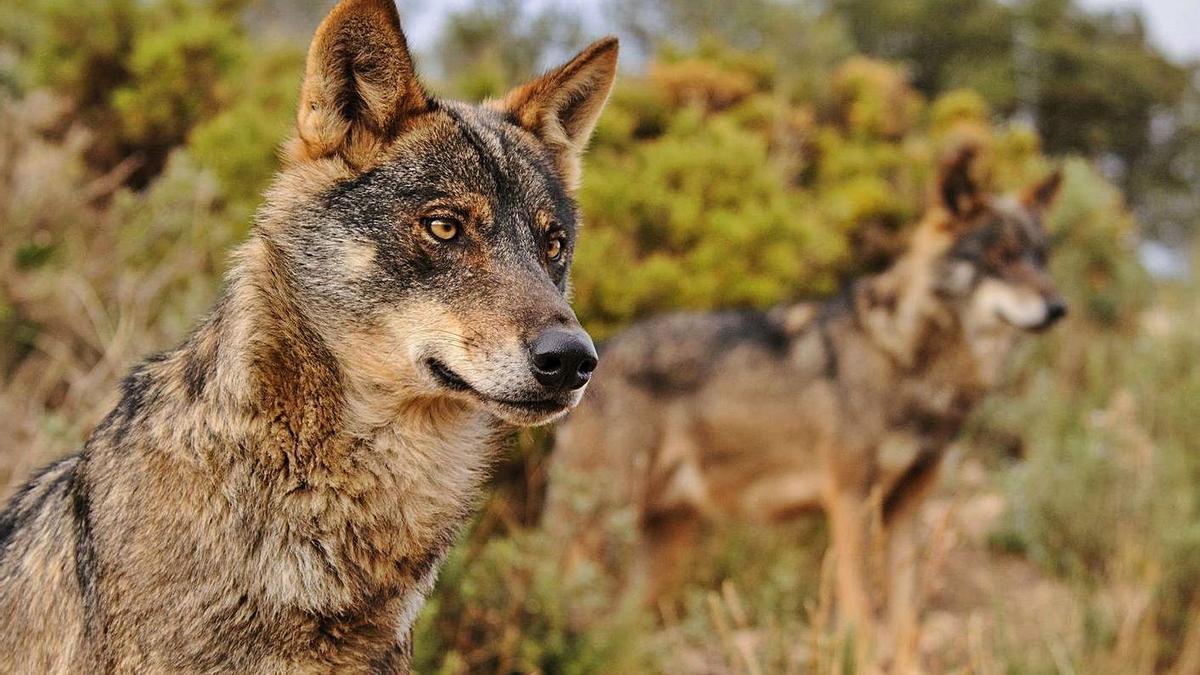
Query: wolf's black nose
x=1055, y=310
x=563, y=359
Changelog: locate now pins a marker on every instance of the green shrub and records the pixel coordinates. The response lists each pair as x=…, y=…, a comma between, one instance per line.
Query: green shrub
x=240, y=144
x=143, y=75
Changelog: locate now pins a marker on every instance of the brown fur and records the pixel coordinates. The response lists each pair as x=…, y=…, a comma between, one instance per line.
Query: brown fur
x=846, y=407
x=277, y=494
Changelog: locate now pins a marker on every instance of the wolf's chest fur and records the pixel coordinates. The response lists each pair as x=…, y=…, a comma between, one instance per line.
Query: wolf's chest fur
x=364, y=541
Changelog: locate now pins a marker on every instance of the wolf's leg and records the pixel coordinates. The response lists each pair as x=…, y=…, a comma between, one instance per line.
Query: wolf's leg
x=849, y=526
x=902, y=528
x=903, y=613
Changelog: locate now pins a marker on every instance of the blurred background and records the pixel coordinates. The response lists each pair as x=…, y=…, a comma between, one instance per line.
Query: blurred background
x=753, y=152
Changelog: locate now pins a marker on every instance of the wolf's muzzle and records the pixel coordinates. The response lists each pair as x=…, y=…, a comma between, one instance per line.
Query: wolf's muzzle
x=1056, y=308
x=563, y=360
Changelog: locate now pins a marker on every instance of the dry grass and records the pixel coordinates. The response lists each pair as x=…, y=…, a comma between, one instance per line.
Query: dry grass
x=92, y=279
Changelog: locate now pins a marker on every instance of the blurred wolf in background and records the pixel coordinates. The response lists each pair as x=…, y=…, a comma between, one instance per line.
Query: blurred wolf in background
x=845, y=406
x=277, y=493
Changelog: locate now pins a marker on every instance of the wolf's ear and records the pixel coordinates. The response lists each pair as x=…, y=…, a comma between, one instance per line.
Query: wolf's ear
x=957, y=188
x=359, y=83
x=562, y=106
x=1040, y=196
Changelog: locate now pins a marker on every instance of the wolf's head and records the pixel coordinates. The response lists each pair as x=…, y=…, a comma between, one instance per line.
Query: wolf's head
x=994, y=263
x=428, y=241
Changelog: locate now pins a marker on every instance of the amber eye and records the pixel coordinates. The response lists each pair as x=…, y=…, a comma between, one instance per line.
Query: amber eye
x=554, y=247
x=442, y=229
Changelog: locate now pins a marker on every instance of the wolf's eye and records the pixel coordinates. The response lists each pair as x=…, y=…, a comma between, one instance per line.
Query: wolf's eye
x=442, y=229
x=554, y=247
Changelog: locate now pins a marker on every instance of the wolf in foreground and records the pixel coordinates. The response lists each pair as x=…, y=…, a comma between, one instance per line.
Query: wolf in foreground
x=846, y=406
x=277, y=493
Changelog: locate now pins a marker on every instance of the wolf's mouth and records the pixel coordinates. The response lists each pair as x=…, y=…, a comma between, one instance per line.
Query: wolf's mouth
x=451, y=380
x=446, y=377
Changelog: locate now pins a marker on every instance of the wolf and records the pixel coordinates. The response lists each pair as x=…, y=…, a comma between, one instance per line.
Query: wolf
x=845, y=406
x=277, y=493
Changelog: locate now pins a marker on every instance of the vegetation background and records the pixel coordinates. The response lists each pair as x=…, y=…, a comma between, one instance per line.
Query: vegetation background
x=753, y=153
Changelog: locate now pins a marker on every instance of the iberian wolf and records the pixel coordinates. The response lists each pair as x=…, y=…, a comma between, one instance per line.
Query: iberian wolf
x=846, y=406
x=277, y=493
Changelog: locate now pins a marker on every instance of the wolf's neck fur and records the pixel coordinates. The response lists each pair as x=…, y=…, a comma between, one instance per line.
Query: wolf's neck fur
x=359, y=505
x=907, y=319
